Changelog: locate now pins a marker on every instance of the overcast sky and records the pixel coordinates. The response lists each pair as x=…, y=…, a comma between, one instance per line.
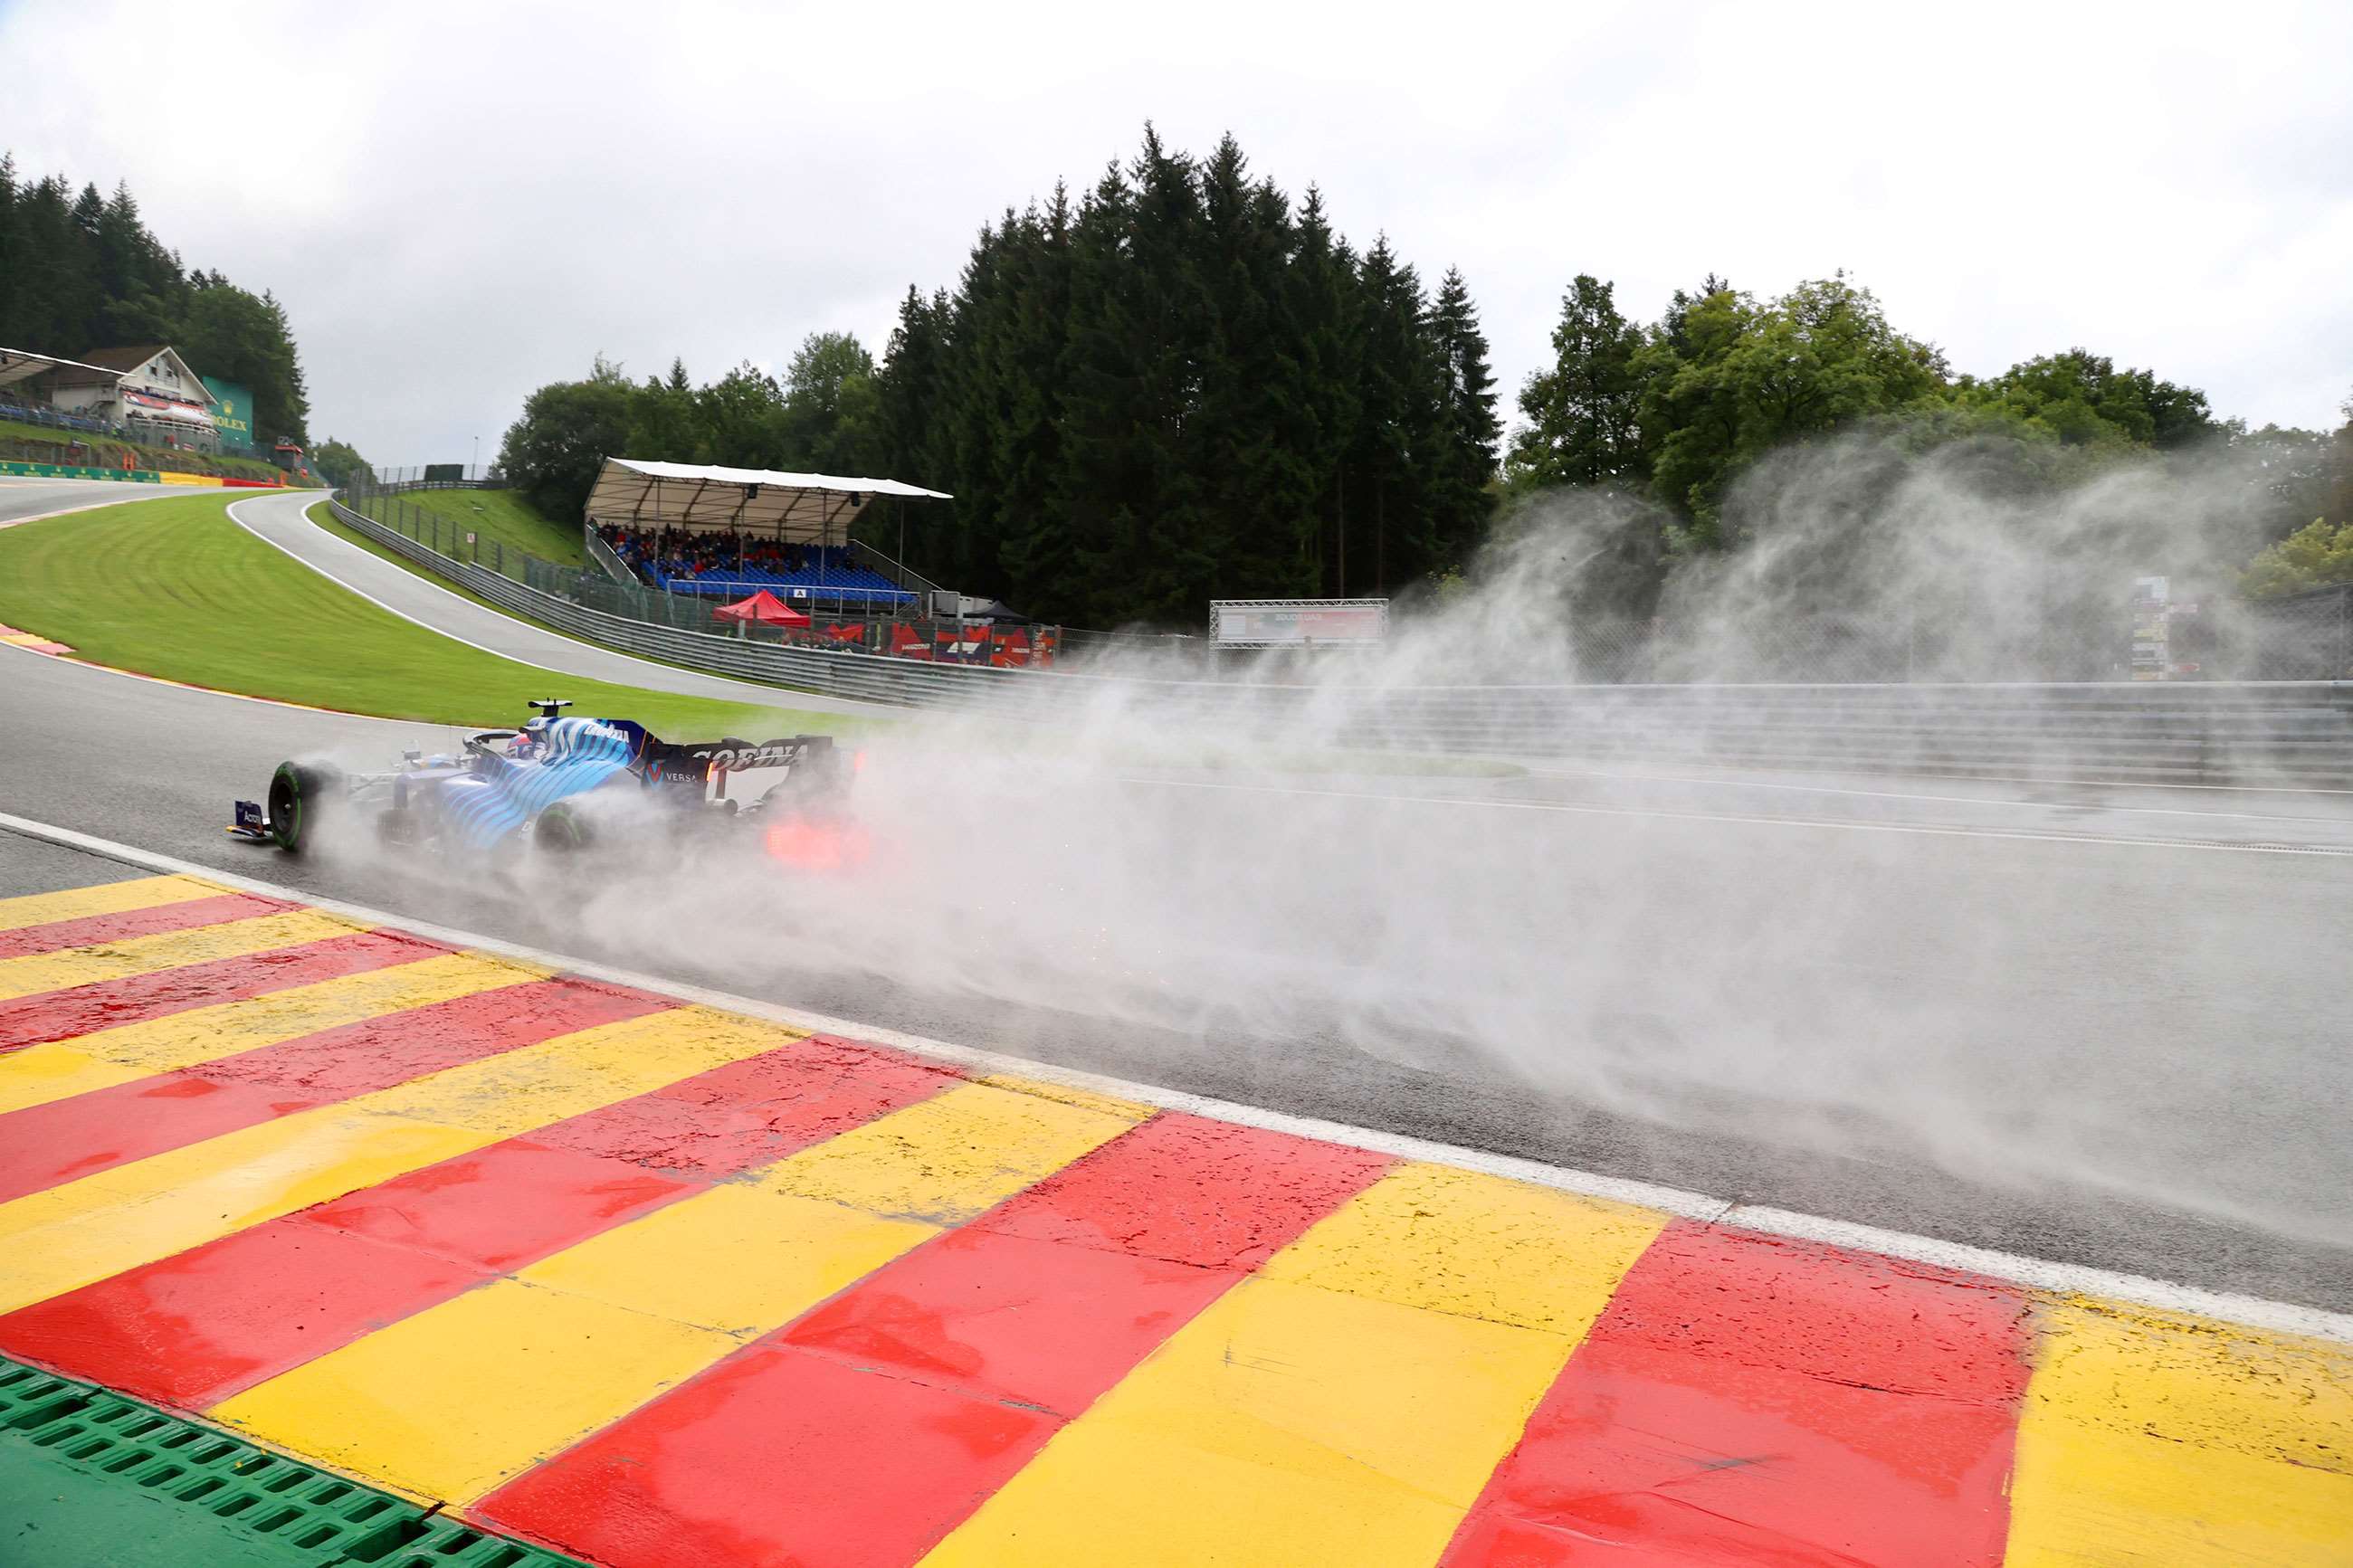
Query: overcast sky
x=458, y=203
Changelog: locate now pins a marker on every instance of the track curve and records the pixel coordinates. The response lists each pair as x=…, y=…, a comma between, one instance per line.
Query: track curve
x=280, y=520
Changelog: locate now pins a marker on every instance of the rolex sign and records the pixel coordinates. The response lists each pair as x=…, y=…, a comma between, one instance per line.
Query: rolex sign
x=232, y=411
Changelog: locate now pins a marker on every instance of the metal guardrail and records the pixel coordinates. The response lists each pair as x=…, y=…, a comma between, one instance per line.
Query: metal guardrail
x=602, y=554
x=2288, y=733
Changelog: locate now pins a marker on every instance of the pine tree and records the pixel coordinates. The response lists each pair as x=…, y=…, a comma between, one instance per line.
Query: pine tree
x=1397, y=428
x=1179, y=388
x=1462, y=466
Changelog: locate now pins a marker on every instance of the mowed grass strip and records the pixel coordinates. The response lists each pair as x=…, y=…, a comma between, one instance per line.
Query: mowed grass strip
x=174, y=588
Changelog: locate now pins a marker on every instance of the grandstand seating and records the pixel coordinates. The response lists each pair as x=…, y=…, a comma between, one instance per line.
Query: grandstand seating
x=798, y=574
x=27, y=412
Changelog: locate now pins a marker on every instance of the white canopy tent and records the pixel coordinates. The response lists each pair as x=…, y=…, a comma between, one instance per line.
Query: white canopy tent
x=811, y=509
x=23, y=365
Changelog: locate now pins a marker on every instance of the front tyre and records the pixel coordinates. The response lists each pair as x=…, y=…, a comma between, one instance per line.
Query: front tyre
x=299, y=793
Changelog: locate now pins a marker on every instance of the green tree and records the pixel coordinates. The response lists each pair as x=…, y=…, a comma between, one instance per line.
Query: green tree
x=1397, y=427
x=239, y=336
x=1461, y=490
x=664, y=423
x=567, y=430
x=910, y=398
x=2082, y=399
x=741, y=419
x=1325, y=310
x=1820, y=359
x=831, y=413
x=2316, y=555
x=1177, y=387
x=338, y=463
x=1584, y=410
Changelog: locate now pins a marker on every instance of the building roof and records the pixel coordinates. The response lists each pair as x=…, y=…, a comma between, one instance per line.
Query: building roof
x=644, y=493
x=125, y=359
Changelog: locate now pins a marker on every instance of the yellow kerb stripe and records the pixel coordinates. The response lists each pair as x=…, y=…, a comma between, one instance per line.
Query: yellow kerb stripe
x=450, y=1402
x=172, y=950
x=39, y=1074
x=1346, y=1404
x=107, y=898
x=65, y=1237
x=2155, y=1437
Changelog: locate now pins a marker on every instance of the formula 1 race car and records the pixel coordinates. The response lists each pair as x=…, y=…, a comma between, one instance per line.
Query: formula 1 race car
x=565, y=787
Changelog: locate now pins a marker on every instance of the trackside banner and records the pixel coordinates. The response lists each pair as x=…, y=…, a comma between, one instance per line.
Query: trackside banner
x=1276, y=623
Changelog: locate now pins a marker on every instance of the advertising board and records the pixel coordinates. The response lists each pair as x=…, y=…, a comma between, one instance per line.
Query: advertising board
x=1295, y=623
x=232, y=410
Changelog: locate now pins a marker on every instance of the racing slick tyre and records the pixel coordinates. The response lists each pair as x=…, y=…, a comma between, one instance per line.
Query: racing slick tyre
x=299, y=793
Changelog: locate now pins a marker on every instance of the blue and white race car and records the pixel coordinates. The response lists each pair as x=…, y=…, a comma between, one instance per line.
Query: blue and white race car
x=559, y=784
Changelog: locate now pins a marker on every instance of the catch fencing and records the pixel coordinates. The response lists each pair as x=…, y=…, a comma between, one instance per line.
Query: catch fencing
x=2295, y=733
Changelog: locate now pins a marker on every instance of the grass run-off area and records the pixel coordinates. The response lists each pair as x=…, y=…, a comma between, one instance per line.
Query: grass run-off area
x=175, y=588
x=502, y=516
x=106, y=452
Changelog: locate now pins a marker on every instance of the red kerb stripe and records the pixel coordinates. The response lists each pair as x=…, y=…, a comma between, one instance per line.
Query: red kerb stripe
x=193, y=1329
x=1748, y=1399
x=45, y=1144
x=124, y=924
x=865, y=1432
x=86, y=1009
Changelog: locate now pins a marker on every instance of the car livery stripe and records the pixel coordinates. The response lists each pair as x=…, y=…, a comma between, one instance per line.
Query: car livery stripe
x=120, y=925
x=42, y=1145
x=194, y=1328
x=60, y=1014
x=1751, y=1399
x=602, y=1327
x=106, y=898
x=479, y=811
x=426, y=977
x=80, y=967
x=68, y=1236
x=868, y=1428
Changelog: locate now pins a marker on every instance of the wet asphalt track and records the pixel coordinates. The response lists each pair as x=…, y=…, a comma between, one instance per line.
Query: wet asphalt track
x=2197, y=992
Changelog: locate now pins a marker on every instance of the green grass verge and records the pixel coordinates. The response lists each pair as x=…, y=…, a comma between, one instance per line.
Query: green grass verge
x=174, y=588
x=106, y=452
x=500, y=516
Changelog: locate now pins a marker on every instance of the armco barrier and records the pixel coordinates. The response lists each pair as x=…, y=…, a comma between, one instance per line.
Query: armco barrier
x=2285, y=733
x=62, y=471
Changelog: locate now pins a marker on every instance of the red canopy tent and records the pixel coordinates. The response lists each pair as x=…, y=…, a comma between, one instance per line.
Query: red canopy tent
x=764, y=608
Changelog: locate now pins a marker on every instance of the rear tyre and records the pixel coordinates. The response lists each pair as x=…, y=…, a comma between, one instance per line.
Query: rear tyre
x=299, y=793
x=563, y=829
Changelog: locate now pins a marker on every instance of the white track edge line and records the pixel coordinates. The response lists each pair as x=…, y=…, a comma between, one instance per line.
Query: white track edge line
x=2035, y=1273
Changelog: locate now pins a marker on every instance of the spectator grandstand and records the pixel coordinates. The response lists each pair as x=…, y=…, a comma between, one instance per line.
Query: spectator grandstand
x=731, y=562
x=695, y=529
